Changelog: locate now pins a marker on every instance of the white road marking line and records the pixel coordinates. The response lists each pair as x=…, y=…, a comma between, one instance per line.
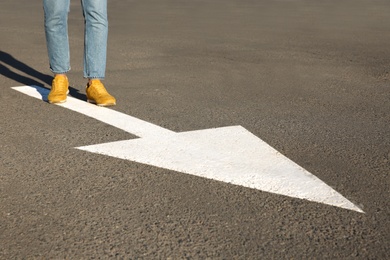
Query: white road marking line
x=227, y=154
x=119, y=120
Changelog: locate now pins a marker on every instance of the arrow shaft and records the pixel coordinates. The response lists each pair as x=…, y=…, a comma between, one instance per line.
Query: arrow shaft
x=114, y=118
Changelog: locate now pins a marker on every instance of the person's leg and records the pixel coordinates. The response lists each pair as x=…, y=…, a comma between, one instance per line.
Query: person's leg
x=95, y=51
x=56, y=31
x=95, y=42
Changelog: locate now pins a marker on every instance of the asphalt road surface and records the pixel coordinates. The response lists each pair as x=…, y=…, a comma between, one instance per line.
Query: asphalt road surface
x=309, y=77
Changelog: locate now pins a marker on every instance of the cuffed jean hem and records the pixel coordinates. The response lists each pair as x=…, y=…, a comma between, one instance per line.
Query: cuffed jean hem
x=59, y=72
x=88, y=77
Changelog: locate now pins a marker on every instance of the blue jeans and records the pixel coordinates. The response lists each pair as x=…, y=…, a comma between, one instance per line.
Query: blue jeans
x=95, y=36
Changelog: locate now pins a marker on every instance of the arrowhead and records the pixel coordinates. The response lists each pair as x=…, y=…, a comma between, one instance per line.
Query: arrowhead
x=228, y=154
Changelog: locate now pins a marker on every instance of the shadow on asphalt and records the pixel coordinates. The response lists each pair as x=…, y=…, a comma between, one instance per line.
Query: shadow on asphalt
x=34, y=78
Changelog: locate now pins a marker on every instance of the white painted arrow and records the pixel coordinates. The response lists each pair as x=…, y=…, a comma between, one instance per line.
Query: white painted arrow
x=228, y=154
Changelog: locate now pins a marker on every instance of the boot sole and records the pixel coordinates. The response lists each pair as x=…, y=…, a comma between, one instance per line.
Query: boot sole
x=57, y=102
x=100, y=105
